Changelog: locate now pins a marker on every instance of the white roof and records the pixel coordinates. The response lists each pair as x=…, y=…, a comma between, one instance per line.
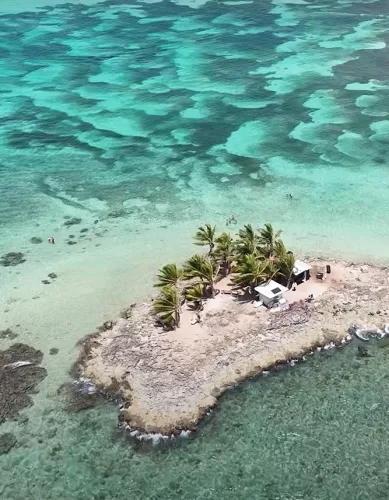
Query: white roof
x=271, y=289
x=300, y=267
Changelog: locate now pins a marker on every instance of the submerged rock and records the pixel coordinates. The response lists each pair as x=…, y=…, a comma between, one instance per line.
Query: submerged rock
x=363, y=352
x=76, y=399
x=8, y=334
x=7, y=442
x=36, y=240
x=52, y=276
x=12, y=259
x=72, y=242
x=18, y=379
x=85, y=230
x=115, y=214
x=53, y=351
x=72, y=221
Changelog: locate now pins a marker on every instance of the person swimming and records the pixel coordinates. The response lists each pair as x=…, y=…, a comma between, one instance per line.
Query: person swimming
x=231, y=220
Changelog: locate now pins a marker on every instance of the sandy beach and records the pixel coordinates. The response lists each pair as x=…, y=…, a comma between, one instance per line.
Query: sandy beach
x=170, y=379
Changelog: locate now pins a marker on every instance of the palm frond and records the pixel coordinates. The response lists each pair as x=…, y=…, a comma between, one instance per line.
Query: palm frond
x=169, y=274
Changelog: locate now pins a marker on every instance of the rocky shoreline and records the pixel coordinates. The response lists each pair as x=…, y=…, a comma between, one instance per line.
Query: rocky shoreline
x=167, y=382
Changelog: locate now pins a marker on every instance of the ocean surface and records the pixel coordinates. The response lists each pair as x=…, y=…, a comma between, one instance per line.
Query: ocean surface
x=145, y=120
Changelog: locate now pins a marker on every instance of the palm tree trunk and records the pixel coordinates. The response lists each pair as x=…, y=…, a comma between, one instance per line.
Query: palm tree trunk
x=177, y=318
x=289, y=284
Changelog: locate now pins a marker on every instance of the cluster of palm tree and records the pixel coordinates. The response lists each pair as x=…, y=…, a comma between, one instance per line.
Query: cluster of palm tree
x=254, y=257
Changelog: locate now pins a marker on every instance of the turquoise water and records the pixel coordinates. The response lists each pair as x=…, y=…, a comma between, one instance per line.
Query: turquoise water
x=145, y=120
x=317, y=431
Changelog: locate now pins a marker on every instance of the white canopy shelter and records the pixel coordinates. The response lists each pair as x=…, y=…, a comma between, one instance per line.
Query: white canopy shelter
x=300, y=267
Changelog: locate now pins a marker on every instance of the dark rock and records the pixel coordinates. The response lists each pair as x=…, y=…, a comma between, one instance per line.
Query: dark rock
x=46, y=282
x=96, y=221
x=57, y=448
x=115, y=214
x=85, y=230
x=72, y=242
x=53, y=351
x=12, y=259
x=71, y=236
x=363, y=352
x=36, y=240
x=18, y=382
x=72, y=221
x=76, y=400
x=22, y=420
x=52, y=276
x=51, y=433
x=7, y=442
x=8, y=334
x=107, y=325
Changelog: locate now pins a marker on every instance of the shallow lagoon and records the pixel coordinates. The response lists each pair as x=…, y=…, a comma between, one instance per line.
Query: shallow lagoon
x=151, y=118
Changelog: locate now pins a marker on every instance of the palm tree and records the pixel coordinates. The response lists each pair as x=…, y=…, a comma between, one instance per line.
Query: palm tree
x=272, y=268
x=193, y=266
x=205, y=236
x=248, y=241
x=251, y=271
x=195, y=294
x=203, y=268
x=167, y=305
x=268, y=238
x=169, y=274
x=287, y=264
x=224, y=252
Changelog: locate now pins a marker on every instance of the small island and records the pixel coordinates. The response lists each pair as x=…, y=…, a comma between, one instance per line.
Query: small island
x=244, y=306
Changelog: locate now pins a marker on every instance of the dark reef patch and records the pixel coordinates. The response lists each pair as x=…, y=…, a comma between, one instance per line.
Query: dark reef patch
x=8, y=334
x=18, y=380
x=7, y=442
x=12, y=259
x=36, y=240
x=72, y=221
x=78, y=398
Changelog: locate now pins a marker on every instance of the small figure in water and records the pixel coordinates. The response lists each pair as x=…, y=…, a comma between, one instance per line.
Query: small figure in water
x=51, y=240
x=289, y=196
x=231, y=220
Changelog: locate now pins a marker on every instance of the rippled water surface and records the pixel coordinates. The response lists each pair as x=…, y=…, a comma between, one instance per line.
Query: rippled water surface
x=144, y=120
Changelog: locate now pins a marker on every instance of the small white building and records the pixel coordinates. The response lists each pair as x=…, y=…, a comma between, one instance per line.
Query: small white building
x=301, y=271
x=271, y=293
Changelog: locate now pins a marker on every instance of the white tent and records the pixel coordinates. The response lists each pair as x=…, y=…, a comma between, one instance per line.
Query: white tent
x=300, y=267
